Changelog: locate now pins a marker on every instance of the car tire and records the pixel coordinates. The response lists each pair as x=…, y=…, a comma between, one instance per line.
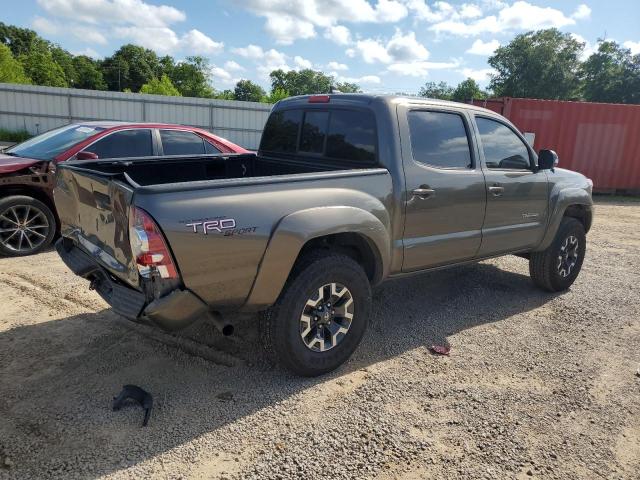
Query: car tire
x=556, y=268
x=307, y=344
x=27, y=226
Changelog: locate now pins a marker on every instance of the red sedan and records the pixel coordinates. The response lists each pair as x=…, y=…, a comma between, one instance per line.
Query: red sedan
x=28, y=221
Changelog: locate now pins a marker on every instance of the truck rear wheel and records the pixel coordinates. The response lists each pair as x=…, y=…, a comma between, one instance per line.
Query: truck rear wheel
x=27, y=226
x=556, y=268
x=321, y=315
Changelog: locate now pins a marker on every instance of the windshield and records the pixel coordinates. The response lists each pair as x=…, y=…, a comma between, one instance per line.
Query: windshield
x=54, y=142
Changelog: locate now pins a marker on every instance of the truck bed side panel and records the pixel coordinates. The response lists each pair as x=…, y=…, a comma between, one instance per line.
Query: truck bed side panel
x=218, y=235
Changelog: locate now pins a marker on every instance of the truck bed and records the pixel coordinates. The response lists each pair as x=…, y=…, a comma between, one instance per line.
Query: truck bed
x=180, y=169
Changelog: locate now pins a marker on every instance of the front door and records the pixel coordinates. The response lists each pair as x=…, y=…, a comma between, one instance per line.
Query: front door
x=444, y=188
x=517, y=194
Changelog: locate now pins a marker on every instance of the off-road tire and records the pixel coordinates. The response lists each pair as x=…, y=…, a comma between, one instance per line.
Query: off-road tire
x=20, y=202
x=543, y=266
x=280, y=324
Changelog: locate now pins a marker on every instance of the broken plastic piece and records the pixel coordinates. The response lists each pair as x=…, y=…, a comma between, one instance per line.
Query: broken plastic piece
x=440, y=349
x=141, y=396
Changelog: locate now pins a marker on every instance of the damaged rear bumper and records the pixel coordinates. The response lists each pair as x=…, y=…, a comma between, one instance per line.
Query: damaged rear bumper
x=173, y=311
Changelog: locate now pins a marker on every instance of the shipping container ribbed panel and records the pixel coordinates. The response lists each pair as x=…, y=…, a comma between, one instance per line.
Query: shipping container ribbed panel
x=599, y=140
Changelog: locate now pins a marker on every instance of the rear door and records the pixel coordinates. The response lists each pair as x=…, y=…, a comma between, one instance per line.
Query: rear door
x=445, y=192
x=517, y=194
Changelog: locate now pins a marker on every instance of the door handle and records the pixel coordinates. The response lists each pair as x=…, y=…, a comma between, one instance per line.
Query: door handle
x=496, y=190
x=424, y=192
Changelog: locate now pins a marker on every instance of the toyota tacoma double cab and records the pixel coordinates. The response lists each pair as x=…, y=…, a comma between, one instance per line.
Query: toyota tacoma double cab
x=345, y=191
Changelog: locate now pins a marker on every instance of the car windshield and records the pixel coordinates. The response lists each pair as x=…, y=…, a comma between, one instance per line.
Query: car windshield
x=54, y=142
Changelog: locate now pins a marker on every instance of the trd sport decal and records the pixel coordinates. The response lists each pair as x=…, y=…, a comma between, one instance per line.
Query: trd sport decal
x=226, y=226
x=215, y=225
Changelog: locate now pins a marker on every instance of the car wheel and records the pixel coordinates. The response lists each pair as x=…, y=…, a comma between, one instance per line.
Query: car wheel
x=556, y=268
x=27, y=226
x=321, y=315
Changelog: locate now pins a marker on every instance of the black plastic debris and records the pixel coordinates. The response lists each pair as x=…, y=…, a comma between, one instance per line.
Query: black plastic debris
x=142, y=397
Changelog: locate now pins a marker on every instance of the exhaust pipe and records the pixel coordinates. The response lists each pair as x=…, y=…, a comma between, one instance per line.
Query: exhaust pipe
x=223, y=327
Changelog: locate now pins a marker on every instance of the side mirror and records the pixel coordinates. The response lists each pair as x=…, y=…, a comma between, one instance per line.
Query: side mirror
x=547, y=160
x=86, y=156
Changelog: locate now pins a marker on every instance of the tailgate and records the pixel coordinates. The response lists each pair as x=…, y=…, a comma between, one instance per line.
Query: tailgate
x=93, y=210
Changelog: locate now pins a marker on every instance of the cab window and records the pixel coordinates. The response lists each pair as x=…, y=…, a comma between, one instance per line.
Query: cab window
x=503, y=149
x=439, y=139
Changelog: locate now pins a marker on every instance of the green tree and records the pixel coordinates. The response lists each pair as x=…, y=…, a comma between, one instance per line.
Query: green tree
x=161, y=86
x=304, y=82
x=11, y=70
x=131, y=66
x=467, y=90
x=224, y=95
x=442, y=90
x=88, y=74
x=348, y=87
x=19, y=40
x=41, y=67
x=191, y=76
x=612, y=75
x=65, y=60
x=276, y=95
x=542, y=64
x=247, y=91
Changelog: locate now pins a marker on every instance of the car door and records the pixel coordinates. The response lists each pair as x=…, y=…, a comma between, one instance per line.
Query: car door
x=131, y=142
x=517, y=193
x=184, y=142
x=444, y=187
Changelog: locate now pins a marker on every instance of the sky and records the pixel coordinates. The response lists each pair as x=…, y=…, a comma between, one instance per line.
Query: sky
x=382, y=45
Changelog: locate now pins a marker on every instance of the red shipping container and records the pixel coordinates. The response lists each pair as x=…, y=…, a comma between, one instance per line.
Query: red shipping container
x=599, y=140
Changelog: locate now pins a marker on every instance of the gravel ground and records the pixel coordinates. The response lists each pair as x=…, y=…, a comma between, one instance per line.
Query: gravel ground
x=537, y=385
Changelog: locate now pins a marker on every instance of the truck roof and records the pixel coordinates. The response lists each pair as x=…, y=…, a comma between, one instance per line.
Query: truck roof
x=368, y=98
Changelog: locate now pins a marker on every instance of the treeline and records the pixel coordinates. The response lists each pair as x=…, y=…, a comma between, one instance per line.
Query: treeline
x=549, y=64
x=27, y=58
x=546, y=64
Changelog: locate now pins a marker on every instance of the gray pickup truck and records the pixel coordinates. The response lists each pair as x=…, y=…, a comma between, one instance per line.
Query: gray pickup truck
x=345, y=191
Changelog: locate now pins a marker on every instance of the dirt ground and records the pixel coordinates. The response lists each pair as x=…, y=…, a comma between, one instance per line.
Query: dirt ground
x=536, y=386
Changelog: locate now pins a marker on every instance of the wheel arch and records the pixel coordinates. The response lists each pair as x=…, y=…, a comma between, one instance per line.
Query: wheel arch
x=568, y=202
x=350, y=230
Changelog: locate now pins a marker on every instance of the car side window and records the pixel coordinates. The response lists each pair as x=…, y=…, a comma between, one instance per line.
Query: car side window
x=181, y=142
x=211, y=148
x=503, y=149
x=439, y=139
x=124, y=143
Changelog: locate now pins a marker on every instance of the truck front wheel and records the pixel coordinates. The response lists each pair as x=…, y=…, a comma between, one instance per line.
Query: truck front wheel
x=556, y=268
x=321, y=315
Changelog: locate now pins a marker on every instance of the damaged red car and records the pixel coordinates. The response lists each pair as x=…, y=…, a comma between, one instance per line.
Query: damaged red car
x=28, y=220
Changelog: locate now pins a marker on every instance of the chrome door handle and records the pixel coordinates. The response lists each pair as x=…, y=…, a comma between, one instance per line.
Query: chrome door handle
x=424, y=192
x=496, y=190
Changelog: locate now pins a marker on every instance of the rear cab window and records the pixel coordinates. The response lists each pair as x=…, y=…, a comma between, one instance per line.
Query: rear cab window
x=439, y=139
x=335, y=135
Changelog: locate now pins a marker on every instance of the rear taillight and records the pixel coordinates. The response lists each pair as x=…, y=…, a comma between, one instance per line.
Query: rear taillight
x=148, y=246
